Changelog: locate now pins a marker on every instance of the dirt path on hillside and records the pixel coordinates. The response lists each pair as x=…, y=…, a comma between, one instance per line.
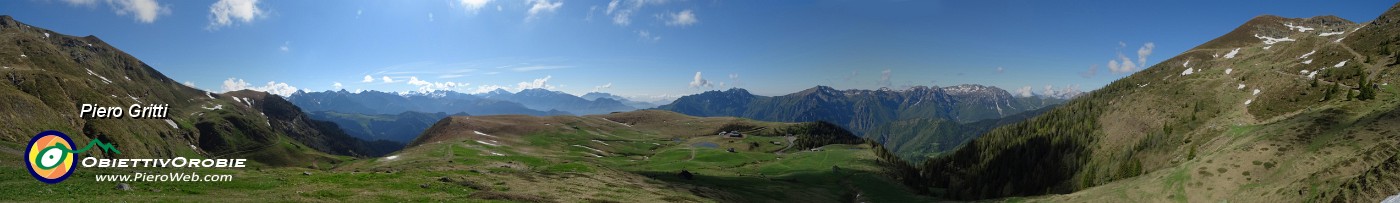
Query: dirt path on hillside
x=692, y=153
x=790, y=140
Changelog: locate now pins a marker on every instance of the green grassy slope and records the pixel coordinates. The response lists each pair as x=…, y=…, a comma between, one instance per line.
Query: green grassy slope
x=1165, y=135
x=622, y=157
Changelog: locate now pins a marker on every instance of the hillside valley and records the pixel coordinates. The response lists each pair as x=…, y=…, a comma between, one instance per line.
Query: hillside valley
x=1277, y=110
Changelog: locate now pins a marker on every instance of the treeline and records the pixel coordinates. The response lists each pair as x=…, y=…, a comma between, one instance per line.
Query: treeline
x=817, y=134
x=917, y=139
x=1045, y=154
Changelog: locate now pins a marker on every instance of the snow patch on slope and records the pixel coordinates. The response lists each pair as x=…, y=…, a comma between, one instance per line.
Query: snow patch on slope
x=1232, y=53
x=590, y=148
x=482, y=134
x=1314, y=51
x=1299, y=28
x=89, y=72
x=1330, y=34
x=493, y=143
x=1270, y=40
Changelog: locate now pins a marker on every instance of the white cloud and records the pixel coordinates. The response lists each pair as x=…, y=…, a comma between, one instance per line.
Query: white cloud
x=430, y=17
x=1025, y=91
x=622, y=18
x=368, y=79
x=884, y=78
x=359, y=12
x=1000, y=70
x=699, y=82
x=227, y=12
x=622, y=11
x=602, y=87
x=81, y=2
x=1144, y=51
x=413, y=80
x=473, y=6
x=272, y=87
x=1066, y=92
x=189, y=84
x=612, y=6
x=683, y=18
x=336, y=86
x=540, y=83
x=646, y=36
x=541, y=6
x=425, y=86
x=145, y=11
x=388, y=80
x=286, y=47
x=1123, y=64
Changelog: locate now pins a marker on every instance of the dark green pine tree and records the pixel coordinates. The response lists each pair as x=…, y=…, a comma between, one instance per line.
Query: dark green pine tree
x=1330, y=91
x=1350, y=94
x=1367, y=92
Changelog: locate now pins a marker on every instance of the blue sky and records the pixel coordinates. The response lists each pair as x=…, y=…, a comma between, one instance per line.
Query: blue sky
x=653, y=49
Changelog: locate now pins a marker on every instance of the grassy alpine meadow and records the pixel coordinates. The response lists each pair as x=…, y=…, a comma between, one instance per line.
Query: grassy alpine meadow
x=582, y=161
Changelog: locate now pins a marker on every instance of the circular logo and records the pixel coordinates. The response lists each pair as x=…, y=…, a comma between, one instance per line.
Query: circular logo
x=48, y=156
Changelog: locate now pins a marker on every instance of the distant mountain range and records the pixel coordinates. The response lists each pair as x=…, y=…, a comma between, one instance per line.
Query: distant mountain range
x=535, y=102
x=556, y=100
x=633, y=104
x=914, y=122
x=862, y=110
x=400, y=128
x=375, y=102
x=401, y=117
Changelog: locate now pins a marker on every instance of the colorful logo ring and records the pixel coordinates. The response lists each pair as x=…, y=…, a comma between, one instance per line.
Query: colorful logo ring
x=48, y=156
